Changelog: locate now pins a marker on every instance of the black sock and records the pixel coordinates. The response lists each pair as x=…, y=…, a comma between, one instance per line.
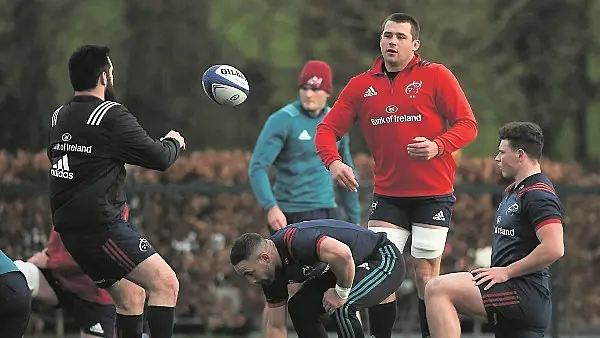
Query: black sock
x=423, y=319
x=381, y=320
x=129, y=326
x=160, y=321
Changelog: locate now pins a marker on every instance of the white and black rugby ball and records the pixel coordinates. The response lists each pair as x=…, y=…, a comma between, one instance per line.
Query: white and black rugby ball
x=225, y=85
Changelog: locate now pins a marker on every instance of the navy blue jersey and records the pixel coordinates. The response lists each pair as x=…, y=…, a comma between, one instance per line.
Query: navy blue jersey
x=298, y=244
x=89, y=143
x=523, y=210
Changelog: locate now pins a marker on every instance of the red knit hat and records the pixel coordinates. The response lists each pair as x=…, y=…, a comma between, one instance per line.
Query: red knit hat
x=316, y=74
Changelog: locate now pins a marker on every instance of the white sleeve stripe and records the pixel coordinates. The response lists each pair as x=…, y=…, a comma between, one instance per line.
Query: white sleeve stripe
x=93, y=114
x=99, y=118
x=55, y=116
x=98, y=113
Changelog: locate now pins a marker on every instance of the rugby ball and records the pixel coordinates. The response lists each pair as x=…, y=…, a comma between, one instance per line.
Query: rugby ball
x=225, y=85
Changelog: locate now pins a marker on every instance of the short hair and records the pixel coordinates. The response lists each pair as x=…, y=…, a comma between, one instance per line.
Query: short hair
x=523, y=135
x=86, y=64
x=415, y=30
x=245, y=247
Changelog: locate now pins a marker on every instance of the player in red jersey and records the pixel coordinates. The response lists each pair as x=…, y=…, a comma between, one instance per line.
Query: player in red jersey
x=55, y=279
x=403, y=105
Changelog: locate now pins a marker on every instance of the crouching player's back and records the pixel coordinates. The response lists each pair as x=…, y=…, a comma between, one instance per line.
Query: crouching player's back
x=344, y=268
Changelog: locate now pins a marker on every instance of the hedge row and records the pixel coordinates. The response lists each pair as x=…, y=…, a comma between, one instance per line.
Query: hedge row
x=194, y=232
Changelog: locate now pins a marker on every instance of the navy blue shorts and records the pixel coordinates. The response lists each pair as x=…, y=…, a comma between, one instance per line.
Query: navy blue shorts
x=15, y=304
x=110, y=254
x=375, y=279
x=295, y=217
x=404, y=211
x=517, y=308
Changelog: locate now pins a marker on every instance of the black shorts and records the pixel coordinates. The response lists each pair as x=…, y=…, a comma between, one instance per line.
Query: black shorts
x=15, y=304
x=110, y=254
x=295, y=217
x=92, y=318
x=375, y=280
x=404, y=211
x=517, y=308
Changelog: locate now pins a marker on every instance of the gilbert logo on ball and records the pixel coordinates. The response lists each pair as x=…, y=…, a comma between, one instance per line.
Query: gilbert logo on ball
x=225, y=85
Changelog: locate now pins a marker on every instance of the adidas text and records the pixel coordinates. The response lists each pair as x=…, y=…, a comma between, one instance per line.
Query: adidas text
x=60, y=173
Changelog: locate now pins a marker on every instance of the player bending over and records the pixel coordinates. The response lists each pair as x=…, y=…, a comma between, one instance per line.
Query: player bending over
x=363, y=269
x=91, y=138
x=514, y=293
x=15, y=299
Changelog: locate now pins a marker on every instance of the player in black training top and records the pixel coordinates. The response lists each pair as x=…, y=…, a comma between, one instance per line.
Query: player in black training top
x=344, y=268
x=514, y=293
x=91, y=138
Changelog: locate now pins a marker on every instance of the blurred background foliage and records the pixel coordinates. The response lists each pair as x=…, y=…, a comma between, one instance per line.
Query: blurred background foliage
x=516, y=59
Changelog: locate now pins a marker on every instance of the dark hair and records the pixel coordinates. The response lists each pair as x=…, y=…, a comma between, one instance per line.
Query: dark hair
x=244, y=247
x=86, y=64
x=523, y=135
x=415, y=30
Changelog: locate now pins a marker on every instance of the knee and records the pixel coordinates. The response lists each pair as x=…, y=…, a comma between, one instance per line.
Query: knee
x=424, y=271
x=132, y=301
x=434, y=288
x=167, y=283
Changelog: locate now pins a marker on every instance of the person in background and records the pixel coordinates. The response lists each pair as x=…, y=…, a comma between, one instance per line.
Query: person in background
x=302, y=189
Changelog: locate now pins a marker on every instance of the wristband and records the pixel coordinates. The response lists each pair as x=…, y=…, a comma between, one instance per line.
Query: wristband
x=342, y=292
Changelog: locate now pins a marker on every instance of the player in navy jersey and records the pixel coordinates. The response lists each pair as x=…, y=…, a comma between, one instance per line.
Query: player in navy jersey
x=91, y=138
x=514, y=293
x=343, y=267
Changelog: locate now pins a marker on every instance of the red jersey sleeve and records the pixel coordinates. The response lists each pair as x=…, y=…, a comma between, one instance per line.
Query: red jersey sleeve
x=335, y=125
x=454, y=106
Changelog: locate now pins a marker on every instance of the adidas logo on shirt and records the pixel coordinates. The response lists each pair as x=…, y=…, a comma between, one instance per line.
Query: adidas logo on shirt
x=304, y=136
x=61, y=168
x=439, y=217
x=370, y=92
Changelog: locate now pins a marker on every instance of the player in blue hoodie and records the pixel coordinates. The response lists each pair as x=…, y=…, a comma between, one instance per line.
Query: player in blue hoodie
x=303, y=189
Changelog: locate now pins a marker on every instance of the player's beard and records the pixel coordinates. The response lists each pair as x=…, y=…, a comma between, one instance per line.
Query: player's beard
x=269, y=275
x=109, y=92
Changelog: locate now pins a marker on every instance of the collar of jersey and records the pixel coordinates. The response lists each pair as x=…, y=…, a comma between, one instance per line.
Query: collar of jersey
x=377, y=68
x=523, y=183
x=84, y=98
x=283, y=252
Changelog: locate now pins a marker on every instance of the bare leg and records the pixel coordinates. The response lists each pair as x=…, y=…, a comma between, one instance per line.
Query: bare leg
x=448, y=295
